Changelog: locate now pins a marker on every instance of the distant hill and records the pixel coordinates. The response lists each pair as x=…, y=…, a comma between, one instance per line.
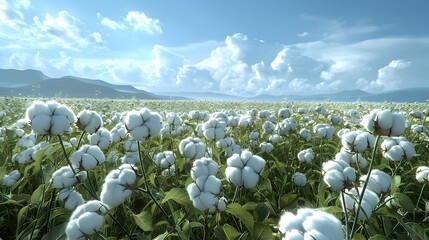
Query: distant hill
x=207, y=96
x=32, y=83
x=403, y=95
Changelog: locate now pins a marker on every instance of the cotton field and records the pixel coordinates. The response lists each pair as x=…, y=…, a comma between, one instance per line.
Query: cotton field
x=131, y=169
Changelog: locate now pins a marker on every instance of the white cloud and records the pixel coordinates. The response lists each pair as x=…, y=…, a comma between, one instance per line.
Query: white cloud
x=389, y=77
x=112, y=24
x=303, y=34
x=140, y=22
x=193, y=77
x=11, y=13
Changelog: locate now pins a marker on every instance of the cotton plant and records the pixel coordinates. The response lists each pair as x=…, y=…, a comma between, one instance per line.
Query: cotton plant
x=89, y=121
x=397, y=149
x=368, y=204
x=357, y=141
x=384, y=122
x=245, y=121
x=86, y=220
x=174, y=119
x=268, y=127
x=50, y=118
x=143, y=124
x=275, y=138
x=310, y=224
x=101, y=138
x=284, y=113
x=244, y=169
x=306, y=155
x=87, y=157
x=27, y=141
x=324, y=130
x=164, y=159
x=10, y=179
x=70, y=198
x=264, y=114
x=233, y=121
x=118, y=185
x=192, y=148
x=253, y=135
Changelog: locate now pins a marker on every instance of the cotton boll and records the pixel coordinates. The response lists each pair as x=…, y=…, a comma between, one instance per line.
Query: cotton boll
x=268, y=127
x=89, y=121
x=63, y=177
x=10, y=179
x=256, y=163
x=306, y=155
x=289, y=222
x=235, y=161
x=101, y=138
x=331, y=165
x=70, y=198
x=90, y=222
x=250, y=177
x=284, y=113
x=164, y=159
x=305, y=134
x=118, y=186
x=293, y=235
x=422, y=174
x=73, y=231
x=233, y=149
x=299, y=179
x=225, y=142
x=266, y=147
x=193, y=190
x=221, y=204
x=233, y=175
x=335, y=179
x=192, y=148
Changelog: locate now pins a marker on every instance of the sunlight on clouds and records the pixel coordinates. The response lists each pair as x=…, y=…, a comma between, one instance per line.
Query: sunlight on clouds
x=140, y=22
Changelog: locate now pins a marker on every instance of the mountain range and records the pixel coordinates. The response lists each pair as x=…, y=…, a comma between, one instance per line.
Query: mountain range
x=33, y=83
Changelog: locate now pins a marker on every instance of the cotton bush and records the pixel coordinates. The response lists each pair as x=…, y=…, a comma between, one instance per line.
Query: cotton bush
x=89, y=121
x=50, y=117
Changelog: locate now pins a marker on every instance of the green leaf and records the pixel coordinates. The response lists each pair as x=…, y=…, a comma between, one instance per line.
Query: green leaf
x=404, y=201
x=263, y=211
x=226, y=232
x=396, y=181
x=161, y=236
x=56, y=233
x=288, y=201
x=179, y=195
x=238, y=211
x=144, y=221
x=37, y=194
x=261, y=232
x=378, y=237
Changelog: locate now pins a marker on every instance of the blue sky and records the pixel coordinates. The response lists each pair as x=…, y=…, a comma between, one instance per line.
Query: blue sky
x=238, y=47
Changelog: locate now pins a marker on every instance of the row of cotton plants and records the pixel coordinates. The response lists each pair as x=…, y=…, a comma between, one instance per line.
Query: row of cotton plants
x=90, y=169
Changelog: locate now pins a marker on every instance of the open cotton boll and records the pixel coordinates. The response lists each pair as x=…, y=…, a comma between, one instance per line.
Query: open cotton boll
x=10, y=179
x=101, y=138
x=244, y=169
x=192, y=148
x=417, y=128
x=254, y=135
x=384, y=122
x=118, y=132
x=90, y=222
x=349, y=174
x=360, y=160
x=284, y=113
x=174, y=119
x=89, y=121
x=214, y=129
x=268, y=127
x=234, y=175
x=73, y=231
x=305, y=134
x=286, y=126
x=118, y=185
x=87, y=157
x=63, y=178
x=70, y=198
x=225, y=142
x=266, y=147
x=299, y=179
x=324, y=131
x=143, y=124
x=85, y=220
x=27, y=141
x=397, y=149
x=422, y=174
x=306, y=155
x=357, y=141
x=130, y=158
x=204, y=167
x=164, y=159
x=335, y=179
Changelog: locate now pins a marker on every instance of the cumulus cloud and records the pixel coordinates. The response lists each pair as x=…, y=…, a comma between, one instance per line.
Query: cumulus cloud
x=11, y=12
x=136, y=20
x=389, y=77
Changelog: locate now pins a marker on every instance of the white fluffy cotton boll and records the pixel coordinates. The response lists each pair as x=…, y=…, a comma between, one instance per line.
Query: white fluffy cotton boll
x=233, y=149
x=204, y=167
x=130, y=145
x=50, y=117
x=384, y=122
x=357, y=141
x=266, y=147
x=10, y=179
x=233, y=121
x=306, y=155
x=284, y=113
x=63, y=178
x=89, y=121
x=360, y=160
x=245, y=121
x=417, y=114
x=214, y=129
x=422, y=174
x=118, y=132
x=174, y=119
x=254, y=135
x=130, y=158
x=101, y=138
x=164, y=159
x=275, y=138
x=397, y=149
x=324, y=131
x=335, y=119
x=349, y=174
x=70, y=198
x=342, y=131
x=244, y=169
x=85, y=220
x=305, y=134
x=24, y=157
x=286, y=126
x=299, y=179
x=418, y=129
x=118, y=185
x=143, y=124
x=87, y=157
x=268, y=127
x=335, y=179
x=379, y=181
x=27, y=141
x=192, y=148
x=225, y=142
x=203, y=192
